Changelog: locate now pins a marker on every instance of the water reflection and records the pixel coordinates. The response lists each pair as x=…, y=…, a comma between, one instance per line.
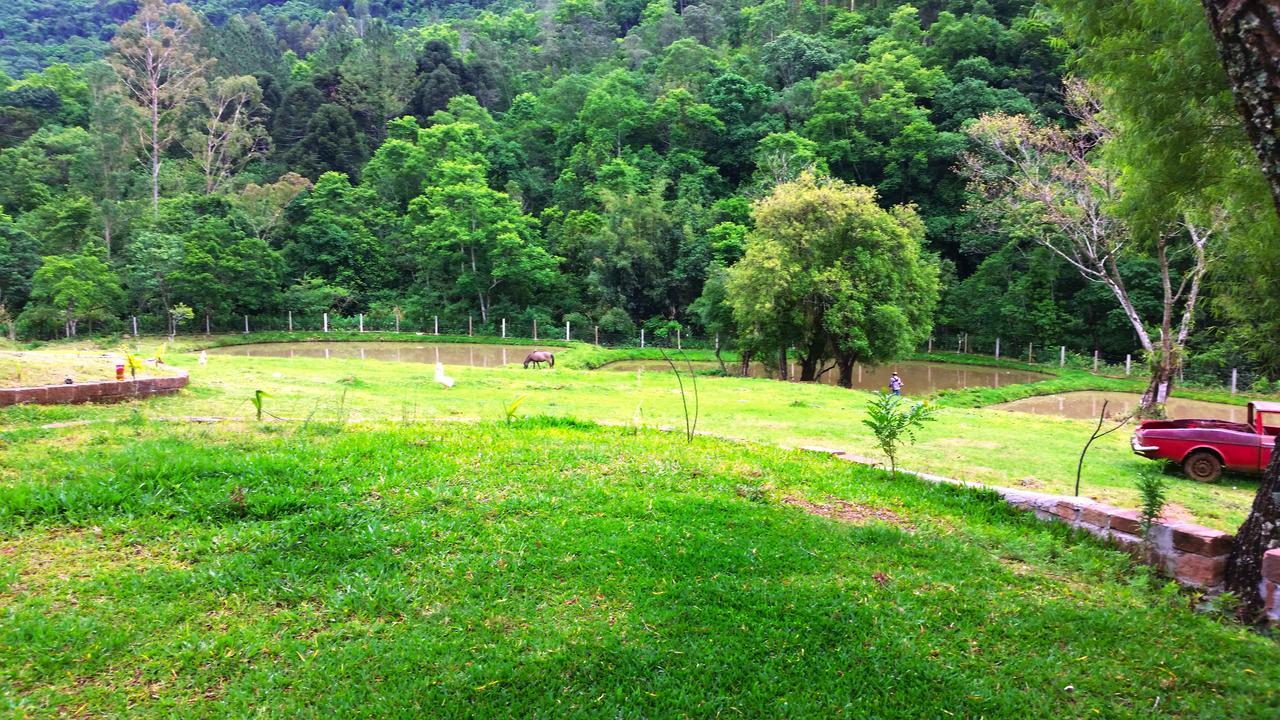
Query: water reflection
x=918, y=378
x=1087, y=405
x=468, y=354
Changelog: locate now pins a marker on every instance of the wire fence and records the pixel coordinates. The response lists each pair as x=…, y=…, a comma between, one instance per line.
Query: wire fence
x=1234, y=374
x=1205, y=371
x=533, y=330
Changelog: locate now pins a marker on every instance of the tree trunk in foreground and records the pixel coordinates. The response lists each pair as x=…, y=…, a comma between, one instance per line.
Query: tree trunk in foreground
x=1259, y=533
x=1247, y=33
x=1248, y=37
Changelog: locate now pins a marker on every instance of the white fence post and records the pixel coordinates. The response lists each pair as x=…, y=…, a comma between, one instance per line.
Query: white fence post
x=290, y=321
x=1062, y=356
x=326, y=322
x=1233, y=381
x=678, y=339
x=246, y=324
x=361, y=322
x=566, y=331
x=1095, y=360
x=1031, y=352
x=1128, y=363
x=641, y=337
x=997, y=348
x=468, y=326
x=597, y=327
x=535, y=329
x=135, y=326
x=930, y=343
x=436, y=324
x=504, y=327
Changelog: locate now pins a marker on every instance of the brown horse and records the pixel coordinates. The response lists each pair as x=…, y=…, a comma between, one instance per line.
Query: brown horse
x=538, y=357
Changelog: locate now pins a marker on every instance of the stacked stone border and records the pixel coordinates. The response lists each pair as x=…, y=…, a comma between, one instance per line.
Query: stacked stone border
x=1194, y=555
x=96, y=392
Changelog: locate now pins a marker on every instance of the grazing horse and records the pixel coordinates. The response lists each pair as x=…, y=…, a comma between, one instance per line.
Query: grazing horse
x=538, y=357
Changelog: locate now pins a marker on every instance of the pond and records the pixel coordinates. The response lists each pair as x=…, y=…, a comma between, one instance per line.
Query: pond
x=918, y=378
x=1087, y=405
x=468, y=354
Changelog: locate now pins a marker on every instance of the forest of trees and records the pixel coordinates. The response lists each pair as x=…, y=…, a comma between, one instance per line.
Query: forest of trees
x=960, y=167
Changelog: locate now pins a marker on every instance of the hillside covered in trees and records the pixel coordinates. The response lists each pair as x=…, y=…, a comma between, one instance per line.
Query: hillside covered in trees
x=608, y=163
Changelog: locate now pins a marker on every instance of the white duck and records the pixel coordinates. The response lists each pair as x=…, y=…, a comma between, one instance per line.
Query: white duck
x=441, y=378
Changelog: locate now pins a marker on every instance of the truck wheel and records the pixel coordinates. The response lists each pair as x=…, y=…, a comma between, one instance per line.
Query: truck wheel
x=1202, y=466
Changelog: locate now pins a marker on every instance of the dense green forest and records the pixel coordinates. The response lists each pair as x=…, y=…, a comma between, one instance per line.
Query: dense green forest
x=846, y=180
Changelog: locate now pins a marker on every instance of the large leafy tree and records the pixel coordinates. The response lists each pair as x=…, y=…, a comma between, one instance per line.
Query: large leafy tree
x=19, y=258
x=831, y=273
x=330, y=237
x=78, y=287
x=224, y=270
x=473, y=243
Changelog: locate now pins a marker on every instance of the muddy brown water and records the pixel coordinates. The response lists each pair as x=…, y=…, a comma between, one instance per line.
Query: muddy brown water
x=468, y=354
x=918, y=378
x=1087, y=406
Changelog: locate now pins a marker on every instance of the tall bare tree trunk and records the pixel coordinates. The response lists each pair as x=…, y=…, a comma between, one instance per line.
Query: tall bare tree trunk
x=1248, y=36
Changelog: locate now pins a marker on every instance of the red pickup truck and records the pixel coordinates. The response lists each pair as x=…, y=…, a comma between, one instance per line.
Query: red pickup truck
x=1205, y=447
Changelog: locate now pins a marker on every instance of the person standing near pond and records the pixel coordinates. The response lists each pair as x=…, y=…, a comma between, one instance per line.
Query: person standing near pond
x=895, y=384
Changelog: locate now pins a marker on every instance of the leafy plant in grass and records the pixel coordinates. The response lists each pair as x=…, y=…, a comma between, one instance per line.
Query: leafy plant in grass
x=134, y=363
x=894, y=423
x=258, y=396
x=1154, y=492
x=510, y=408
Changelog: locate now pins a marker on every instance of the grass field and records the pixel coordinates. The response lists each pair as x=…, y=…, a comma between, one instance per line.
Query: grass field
x=990, y=446
x=549, y=568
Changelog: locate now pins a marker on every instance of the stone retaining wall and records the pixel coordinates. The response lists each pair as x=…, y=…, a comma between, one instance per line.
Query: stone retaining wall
x=1271, y=584
x=98, y=392
x=1194, y=555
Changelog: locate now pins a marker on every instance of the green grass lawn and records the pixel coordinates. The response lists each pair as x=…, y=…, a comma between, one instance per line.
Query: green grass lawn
x=555, y=569
x=990, y=446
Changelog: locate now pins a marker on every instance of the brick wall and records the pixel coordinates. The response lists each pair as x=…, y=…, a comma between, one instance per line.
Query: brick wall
x=101, y=392
x=1271, y=584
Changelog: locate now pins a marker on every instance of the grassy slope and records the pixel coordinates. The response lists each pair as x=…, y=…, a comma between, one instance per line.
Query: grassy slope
x=989, y=446
x=543, y=569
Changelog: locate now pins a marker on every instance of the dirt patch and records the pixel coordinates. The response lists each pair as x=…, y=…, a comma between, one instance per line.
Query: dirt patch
x=1175, y=513
x=845, y=511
